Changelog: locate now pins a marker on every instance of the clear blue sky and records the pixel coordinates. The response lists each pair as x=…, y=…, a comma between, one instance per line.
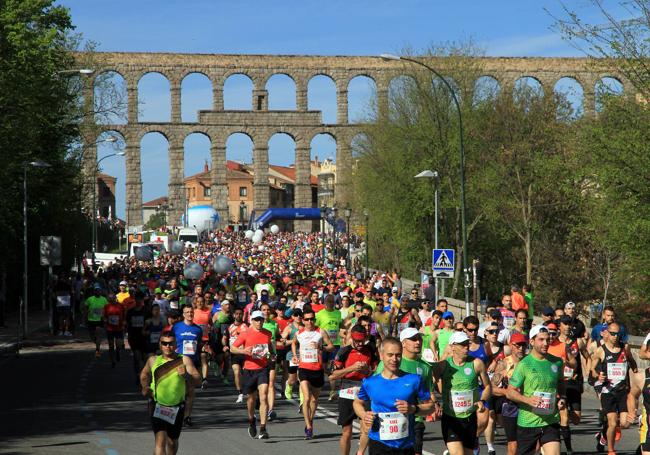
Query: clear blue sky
x=334, y=27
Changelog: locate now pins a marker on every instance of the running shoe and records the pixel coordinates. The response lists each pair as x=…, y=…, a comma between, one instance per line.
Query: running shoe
x=601, y=443
x=309, y=433
x=240, y=398
x=332, y=395
x=188, y=422
x=97, y=354
x=271, y=415
x=67, y=334
x=225, y=381
x=288, y=391
x=204, y=384
x=263, y=434
x=252, y=429
x=492, y=452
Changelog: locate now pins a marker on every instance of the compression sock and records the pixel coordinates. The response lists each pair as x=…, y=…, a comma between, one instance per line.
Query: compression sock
x=566, y=435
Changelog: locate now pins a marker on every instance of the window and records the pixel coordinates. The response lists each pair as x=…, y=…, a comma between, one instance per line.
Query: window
x=206, y=191
x=243, y=191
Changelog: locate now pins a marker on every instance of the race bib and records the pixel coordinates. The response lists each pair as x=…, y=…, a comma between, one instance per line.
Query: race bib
x=351, y=393
x=189, y=347
x=62, y=300
x=427, y=355
x=137, y=321
x=260, y=351
x=616, y=372
x=333, y=334
x=113, y=319
x=97, y=312
x=232, y=340
x=568, y=372
x=166, y=413
x=309, y=355
x=392, y=426
x=462, y=401
x=154, y=337
x=173, y=305
x=508, y=322
x=546, y=405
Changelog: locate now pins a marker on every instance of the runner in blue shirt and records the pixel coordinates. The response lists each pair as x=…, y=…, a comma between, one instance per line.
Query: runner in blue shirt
x=188, y=342
x=393, y=399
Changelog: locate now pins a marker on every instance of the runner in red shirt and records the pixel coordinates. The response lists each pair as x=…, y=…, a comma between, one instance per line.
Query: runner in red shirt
x=114, y=323
x=256, y=347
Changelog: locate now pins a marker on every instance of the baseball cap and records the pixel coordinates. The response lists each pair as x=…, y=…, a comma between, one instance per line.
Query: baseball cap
x=407, y=333
x=569, y=305
x=394, y=289
x=458, y=338
x=123, y=283
x=157, y=291
x=548, y=311
x=257, y=315
x=225, y=302
x=97, y=286
x=447, y=315
x=551, y=326
x=495, y=314
x=536, y=330
x=517, y=338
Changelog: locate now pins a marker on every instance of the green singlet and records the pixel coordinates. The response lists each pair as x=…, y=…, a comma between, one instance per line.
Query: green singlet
x=96, y=307
x=443, y=340
x=538, y=377
x=330, y=321
x=170, y=391
x=459, y=389
x=272, y=327
x=417, y=366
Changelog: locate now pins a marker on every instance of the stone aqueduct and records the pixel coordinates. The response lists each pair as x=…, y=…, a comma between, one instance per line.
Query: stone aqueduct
x=260, y=123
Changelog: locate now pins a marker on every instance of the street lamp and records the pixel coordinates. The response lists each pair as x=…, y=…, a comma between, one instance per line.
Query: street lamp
x=436, y=178
x=348, y=214
x=96, y=170
x=26, y=165
x=365, y=214
x=335, y=212
x=86, y=71
x=323, y=212
x=462, y=165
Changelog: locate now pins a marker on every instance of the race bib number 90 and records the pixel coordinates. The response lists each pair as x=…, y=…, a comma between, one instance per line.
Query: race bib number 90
x=392, y=426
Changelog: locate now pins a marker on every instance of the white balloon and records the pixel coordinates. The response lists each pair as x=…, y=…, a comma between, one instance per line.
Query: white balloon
x=259, y=233
x=249, y=234
x=193, y=271
x=257, y=239
x=275, y=229
x=260, y=248
x=222, y=264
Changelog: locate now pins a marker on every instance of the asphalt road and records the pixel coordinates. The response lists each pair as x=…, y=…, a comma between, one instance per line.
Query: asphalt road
x=60, y=400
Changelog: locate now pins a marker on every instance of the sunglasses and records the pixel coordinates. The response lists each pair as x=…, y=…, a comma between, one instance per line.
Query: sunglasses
x=553, y=333
x=259, y=319
x=491, y=332
x=472, y=330
x=308, y=319
x=614, y=334
x=167, y=343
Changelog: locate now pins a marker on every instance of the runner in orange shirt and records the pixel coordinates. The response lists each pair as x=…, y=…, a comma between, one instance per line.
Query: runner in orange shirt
x=114, y=323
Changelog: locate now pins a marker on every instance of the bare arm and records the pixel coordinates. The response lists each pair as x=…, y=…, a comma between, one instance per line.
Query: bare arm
x=145, y=377
x=191, y=370
x=327, y=343
x=479, y=367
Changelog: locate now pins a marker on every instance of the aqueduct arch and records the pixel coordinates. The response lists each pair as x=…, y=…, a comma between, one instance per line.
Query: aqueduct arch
x=260, y=123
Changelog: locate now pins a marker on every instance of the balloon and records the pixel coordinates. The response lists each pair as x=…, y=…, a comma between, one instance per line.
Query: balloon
x=176, y=247
x=222, y=264
x=275, y=229
x=259, y=233
x=260, y=248
x=249, y=234
x=193, y=271
x=144, y=253
x=257, y=239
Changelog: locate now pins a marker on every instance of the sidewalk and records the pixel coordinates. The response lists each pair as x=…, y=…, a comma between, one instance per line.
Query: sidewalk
x=38, y=333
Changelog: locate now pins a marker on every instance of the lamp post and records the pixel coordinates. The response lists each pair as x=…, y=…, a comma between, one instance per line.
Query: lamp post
x=348, y=214
x=26, y=165
x=462, y=166
x=365, y=214
x=323, y=212
x=436, y=178
x=335, y=212
x=86, y=71
x=96, y=170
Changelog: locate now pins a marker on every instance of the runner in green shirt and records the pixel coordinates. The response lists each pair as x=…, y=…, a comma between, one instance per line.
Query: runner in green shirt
x=537, y=386
x=411, y=340
x=329, y=319
x=441, y=337
x=93, y=311
x=459, y=374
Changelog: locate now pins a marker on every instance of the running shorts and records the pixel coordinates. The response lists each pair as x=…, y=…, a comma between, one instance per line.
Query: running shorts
x=119, y=335
x=614, y=402
x=574, y=398
x=237, y=359
x=510, y=427
x=529, y=437
x=346, y=412
x=254, y=378
x=378, y=448
x=459, y=430
x=315, y=377
x=92, y=325
x=172, y=430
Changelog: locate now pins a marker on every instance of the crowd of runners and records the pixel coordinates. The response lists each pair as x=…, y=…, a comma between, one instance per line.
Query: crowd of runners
x=282, y=319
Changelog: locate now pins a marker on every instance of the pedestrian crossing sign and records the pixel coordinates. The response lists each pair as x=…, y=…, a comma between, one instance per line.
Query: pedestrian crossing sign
x=443, y=263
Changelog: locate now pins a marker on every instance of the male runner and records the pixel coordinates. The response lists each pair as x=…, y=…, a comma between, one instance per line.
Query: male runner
x=136, y=337
x=311, y=341
x=236, y=360
x=188, y=343
x=538, y=387
x=93, y=313
x=114, y=323
x=273, y=327
x=458, y=377
x=163, y=379
x=329, y=319
x=255, y=344
x=352, y=364
x=388, y=403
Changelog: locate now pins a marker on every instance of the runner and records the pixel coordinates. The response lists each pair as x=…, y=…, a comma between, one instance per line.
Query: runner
x=114, y=324
x=537, y=386
x=136, y=337
x=93, y=314
x=152, y=329
x=202, y=321
x=188, y=342
x=272, y=326
x=236, y=360
x=388, y=402
x=506, y=410
x=352, y=364
x=256, y=345
x=462, y=399
x=329, y=319
x=440, y=338
x=610, y=367
x=288, y=334
x=311, y=341
x=163, y=380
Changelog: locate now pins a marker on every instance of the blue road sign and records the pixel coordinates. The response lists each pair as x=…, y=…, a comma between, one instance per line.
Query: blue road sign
x=443, y=263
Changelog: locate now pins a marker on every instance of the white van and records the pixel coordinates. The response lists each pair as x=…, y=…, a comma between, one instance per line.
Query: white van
x=189, y=237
